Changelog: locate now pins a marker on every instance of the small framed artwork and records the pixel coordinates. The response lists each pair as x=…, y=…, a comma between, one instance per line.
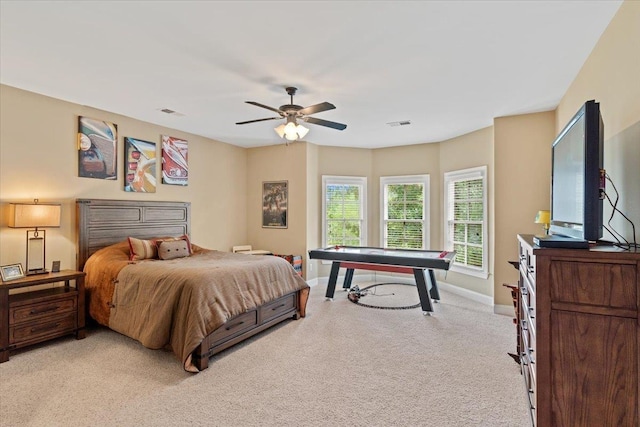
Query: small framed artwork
x=275, y=200
x=11, y=272
x=140, y=165
x=97, y=148
x=175, y=170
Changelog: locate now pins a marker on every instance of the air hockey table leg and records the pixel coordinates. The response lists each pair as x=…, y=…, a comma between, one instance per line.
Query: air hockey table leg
x=333, y=278
x=421, y=284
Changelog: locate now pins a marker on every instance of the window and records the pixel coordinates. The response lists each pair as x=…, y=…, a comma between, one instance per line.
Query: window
x=465, y=228
x=404, y=201
x=344, y=201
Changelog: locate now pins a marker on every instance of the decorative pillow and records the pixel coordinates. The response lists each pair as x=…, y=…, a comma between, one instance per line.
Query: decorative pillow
x=171, y=249
x=173, y=239
x=142, y=249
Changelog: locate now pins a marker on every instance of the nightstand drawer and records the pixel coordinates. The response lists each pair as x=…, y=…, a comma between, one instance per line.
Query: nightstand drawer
x=51, y=327
x=33, y=312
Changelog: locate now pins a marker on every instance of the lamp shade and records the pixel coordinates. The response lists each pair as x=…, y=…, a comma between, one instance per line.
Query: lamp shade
x=543, y=217
x=34, y=215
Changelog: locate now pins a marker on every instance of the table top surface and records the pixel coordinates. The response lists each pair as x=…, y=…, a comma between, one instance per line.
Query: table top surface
x=44, y=278
x=373, y=255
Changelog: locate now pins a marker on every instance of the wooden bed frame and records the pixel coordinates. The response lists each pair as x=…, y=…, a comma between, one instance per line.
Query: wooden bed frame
x=101, y=223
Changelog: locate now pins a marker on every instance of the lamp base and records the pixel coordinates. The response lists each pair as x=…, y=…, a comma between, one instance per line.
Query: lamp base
x=38, y=271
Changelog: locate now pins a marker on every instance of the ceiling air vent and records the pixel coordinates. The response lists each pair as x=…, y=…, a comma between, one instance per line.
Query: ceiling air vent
x=169, y=111
x=400, y=123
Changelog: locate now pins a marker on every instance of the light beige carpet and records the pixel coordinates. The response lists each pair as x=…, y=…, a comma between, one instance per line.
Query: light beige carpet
x=343, y=365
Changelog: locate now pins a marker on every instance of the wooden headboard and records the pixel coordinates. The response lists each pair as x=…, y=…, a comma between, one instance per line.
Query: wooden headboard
x=102, y=223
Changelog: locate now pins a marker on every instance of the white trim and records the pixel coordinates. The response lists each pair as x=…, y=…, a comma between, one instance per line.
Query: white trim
x=466, y=293
x=408, y=179
x=465, y=175
x=346, y=180
x=505, y=310
x=444, y=286
x=462, y=269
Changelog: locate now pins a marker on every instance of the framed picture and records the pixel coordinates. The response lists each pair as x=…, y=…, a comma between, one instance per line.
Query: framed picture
x=11, y=272
x=140, y=165
x=97, y=148
x=275, y=199
x=175, y=170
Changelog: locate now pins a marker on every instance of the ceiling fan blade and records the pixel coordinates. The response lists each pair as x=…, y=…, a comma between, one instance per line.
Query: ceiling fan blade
x=324, y=106
x=327, y=123
x=258, y=120
x=257, y=104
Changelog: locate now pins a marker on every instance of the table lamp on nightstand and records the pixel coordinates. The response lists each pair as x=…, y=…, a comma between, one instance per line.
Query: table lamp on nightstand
x=34, y=216
x=544, y=218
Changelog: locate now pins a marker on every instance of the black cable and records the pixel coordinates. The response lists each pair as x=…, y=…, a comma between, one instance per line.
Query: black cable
x=614, y=210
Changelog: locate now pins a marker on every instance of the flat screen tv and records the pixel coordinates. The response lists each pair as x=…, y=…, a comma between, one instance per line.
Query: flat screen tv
x=577, y=176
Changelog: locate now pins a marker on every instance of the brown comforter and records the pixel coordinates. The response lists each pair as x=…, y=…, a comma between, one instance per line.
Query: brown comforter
x=176, y=303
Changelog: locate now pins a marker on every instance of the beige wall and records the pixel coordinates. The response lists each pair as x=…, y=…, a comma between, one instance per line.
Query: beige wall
x=467, y=151
x=314, y=208
x=522, y=179
x=38, y=159
x=611, y=76
x=278, y=163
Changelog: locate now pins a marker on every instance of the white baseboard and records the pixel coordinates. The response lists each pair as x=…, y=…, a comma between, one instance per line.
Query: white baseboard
x=506, y=310
x=312, y=282
x=466, y=293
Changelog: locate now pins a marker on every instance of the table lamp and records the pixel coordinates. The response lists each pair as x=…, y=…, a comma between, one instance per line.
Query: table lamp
x=34, y=216
x=544, y=218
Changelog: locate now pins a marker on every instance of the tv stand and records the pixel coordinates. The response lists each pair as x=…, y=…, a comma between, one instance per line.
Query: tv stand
x=556, y=241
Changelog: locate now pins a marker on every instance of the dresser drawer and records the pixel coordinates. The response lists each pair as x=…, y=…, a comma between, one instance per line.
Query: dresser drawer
x=277, y=307
x=50, y=327
x=594, y=283
x=32, y=312
x=235, y=326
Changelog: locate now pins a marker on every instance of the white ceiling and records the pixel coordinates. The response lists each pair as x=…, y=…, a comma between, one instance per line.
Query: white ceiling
x=448, y=67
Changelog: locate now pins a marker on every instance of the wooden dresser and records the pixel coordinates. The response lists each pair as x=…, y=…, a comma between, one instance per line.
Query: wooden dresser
x=580, y=335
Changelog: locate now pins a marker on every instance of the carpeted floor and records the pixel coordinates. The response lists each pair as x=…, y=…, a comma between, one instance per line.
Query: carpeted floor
x=343, y=365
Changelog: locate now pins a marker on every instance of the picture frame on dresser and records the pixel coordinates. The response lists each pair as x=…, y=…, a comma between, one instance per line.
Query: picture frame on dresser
x=11, y=272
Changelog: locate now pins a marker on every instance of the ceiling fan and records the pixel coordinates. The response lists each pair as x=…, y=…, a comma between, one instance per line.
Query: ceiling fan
x=291, y=112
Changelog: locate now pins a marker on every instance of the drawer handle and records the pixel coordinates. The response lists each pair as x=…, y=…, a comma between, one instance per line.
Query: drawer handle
x=524, y=291
x=45, y=328
x=530, y=269
x=44, y=310
x=230, y=327
x=280, y=306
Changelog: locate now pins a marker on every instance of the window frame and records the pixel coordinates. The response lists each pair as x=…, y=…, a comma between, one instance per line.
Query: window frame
x=345, y=180
x=467, y=175
x=406, y=179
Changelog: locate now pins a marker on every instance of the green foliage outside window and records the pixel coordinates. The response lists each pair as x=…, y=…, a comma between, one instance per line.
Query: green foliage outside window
x=468, y=221
x=343, y=214
x=405, y=214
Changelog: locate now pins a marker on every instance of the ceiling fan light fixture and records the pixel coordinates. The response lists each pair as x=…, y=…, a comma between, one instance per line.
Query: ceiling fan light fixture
x=302, y=131
x=280, y=130
x=291, y=131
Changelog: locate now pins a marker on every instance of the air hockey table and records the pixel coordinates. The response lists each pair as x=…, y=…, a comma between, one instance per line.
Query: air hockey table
x=410, y=261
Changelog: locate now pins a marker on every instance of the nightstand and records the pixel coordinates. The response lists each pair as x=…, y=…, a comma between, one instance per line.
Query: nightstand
x=35, y=316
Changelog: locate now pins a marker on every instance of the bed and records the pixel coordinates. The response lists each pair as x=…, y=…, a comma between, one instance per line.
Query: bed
x=197, y=305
